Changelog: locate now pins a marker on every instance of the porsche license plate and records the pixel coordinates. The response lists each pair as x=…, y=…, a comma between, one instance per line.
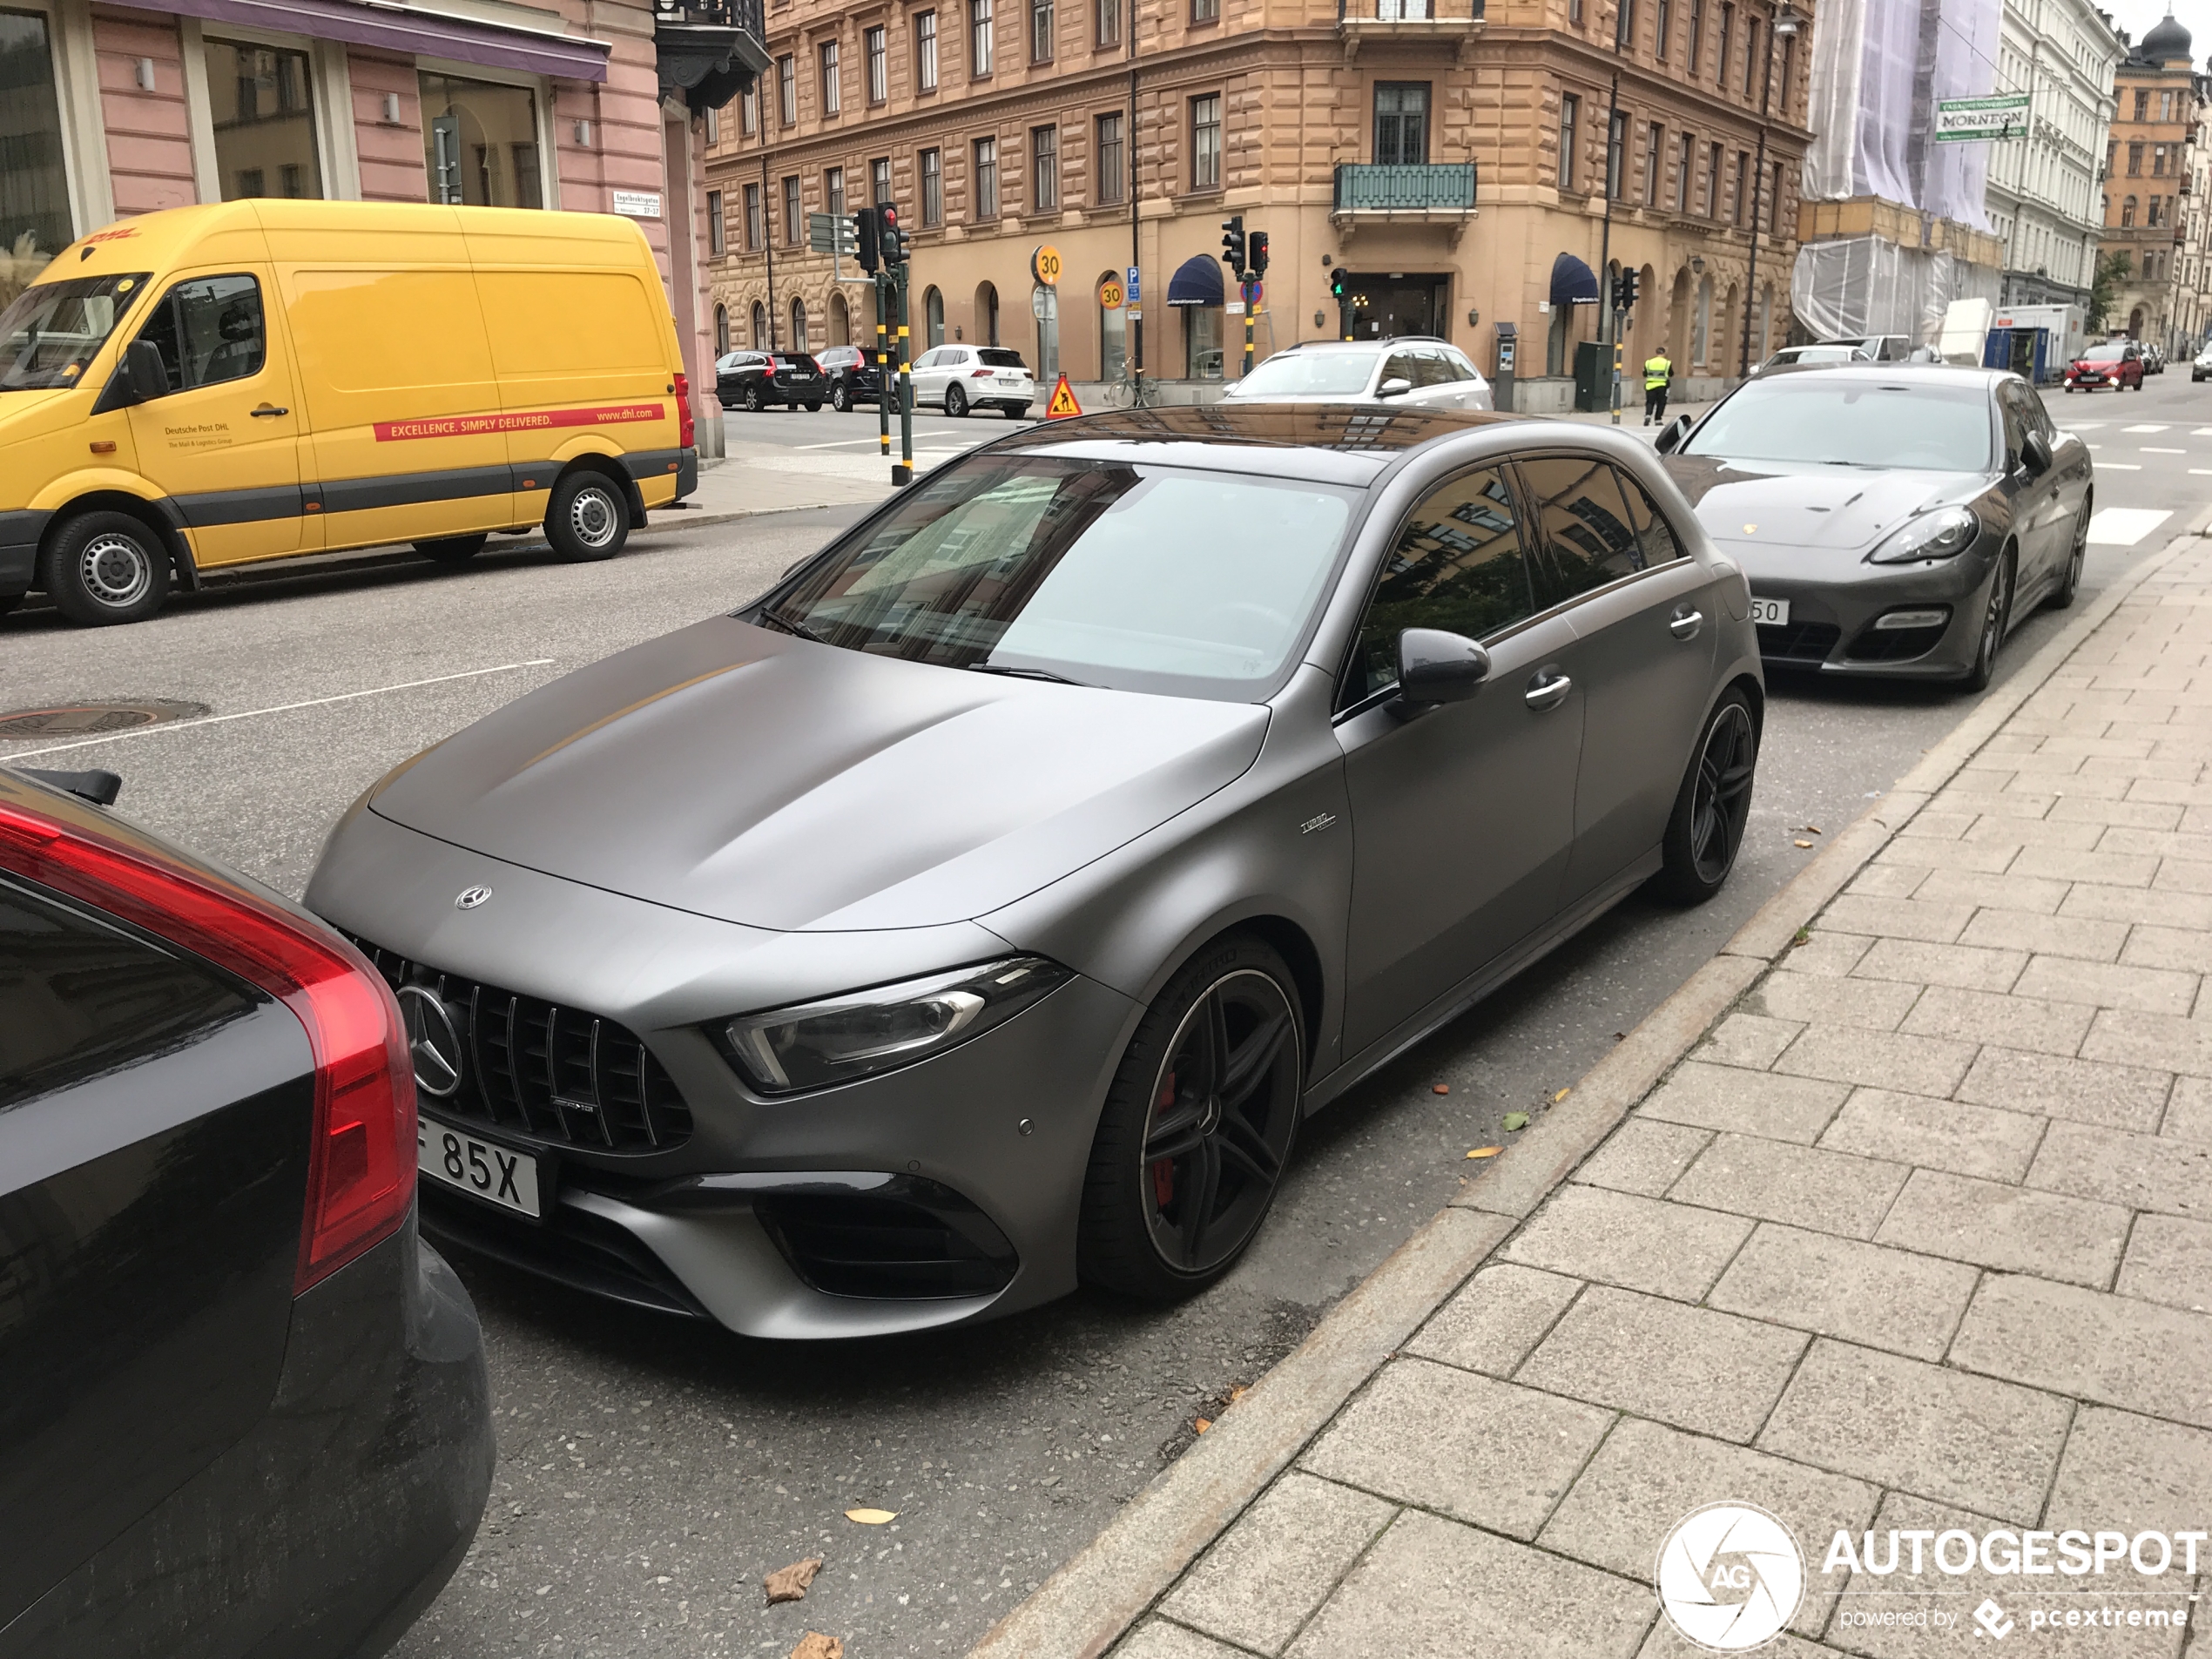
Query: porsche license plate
x=502, y=1175
x=1770, y=613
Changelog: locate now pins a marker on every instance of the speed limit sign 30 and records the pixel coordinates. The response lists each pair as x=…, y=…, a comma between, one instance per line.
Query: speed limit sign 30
x=1044, y=265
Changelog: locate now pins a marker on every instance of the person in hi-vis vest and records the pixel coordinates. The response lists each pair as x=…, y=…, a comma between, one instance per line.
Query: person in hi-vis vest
x=1657, y=373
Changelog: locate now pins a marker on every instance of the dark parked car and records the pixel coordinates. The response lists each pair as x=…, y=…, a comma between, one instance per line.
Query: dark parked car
x=756, y=380
x=853, y=374
x=243, y=1407
x=2116, y=363
x=979, y=910
x=1894, y=519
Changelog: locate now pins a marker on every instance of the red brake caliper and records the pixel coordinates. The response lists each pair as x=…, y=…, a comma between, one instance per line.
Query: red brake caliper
x=1163, y=1168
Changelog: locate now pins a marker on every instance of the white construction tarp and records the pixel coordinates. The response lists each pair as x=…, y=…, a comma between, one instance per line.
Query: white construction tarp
x=1862, y=285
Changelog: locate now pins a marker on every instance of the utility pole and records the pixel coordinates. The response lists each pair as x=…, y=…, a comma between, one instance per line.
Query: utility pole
x=1608, y=333
x=1784, y=27
x=768, y=232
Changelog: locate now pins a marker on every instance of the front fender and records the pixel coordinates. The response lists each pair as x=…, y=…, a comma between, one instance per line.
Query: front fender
x=90, y=480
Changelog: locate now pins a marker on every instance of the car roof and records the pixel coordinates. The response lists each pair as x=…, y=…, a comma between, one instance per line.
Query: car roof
x=1889, y=373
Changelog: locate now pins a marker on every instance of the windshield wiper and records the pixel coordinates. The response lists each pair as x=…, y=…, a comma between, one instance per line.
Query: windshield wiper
x=1022, y=673
x=790, y=625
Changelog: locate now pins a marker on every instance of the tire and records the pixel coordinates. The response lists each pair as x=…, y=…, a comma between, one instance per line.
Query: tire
x=9, y=602
x=840, y=400
x=106, y=568
x=2070, y=584
x=753, y=399
x=1705, y=831
x=452, y=550
x=587, y=516
x=814, y=407
x=1996, y=617
x=955, y=402
x=1015, y=411
x=1155, y=1224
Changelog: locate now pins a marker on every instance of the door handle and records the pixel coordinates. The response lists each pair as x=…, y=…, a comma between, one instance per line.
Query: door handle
x=1686, y=622
x=267, y=409
x=1547, y=694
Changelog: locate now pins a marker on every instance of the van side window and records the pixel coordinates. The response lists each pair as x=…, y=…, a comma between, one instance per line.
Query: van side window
x=209, y=330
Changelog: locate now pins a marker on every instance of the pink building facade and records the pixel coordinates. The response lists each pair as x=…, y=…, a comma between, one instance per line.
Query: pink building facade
x=108, y=109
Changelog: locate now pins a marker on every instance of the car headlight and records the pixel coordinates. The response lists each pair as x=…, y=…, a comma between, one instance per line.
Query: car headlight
x=841, y=1038
x=1940, y=535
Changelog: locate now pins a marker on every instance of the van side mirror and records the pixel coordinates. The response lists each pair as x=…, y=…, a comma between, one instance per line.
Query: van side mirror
x=1437, y=667
x=1395, y=386
x=1671, y=434
x=2035, y=454
x=140, y=376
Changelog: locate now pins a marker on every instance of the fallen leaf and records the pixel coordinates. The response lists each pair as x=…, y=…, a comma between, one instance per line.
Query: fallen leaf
x=1563, y=1095
x=1237, y=1393
x=1440, y=1088
x=1516, y=1119
x=1804, y=843
x=872, y=1517
x=815, y=1645
x=1812, y=829
x=1486, y=1151
x=1204, y=1424
x=789, y=1584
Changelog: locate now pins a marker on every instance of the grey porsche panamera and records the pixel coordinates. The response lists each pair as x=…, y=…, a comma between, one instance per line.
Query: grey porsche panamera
x=978, y=913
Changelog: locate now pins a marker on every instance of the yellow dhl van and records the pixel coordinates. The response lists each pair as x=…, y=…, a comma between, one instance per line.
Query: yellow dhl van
x=253, y=380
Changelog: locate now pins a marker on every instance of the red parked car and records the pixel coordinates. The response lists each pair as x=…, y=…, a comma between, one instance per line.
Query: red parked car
x=2116, y=363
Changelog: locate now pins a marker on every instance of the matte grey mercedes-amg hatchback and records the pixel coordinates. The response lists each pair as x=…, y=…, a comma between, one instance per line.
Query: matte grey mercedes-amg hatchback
x=978, y=913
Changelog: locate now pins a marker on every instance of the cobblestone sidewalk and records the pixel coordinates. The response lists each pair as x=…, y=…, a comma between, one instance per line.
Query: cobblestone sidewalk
x=1920, y=1236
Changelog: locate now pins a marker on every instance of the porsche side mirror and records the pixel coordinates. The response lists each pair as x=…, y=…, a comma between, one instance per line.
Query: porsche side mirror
x=1394, y=387
x=1671, y=434
x=2035, y=455
x=1437, y=667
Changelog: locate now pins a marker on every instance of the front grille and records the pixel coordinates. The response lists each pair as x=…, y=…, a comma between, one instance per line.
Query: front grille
x=912, y=1238
x=1897, y=644
x=1798, y=642
x=557, y=1074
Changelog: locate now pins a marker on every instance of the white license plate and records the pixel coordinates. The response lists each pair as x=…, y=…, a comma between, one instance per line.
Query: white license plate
x=502, y=1175
x=1771, y=613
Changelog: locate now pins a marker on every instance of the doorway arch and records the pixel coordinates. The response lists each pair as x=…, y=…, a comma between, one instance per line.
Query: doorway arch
x=986, y=314
x=933, y=320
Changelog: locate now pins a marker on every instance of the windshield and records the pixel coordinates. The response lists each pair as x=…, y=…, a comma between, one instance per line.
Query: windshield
x=2104, y=354
x=1139, y=577
x=1843, y=420
x=1302, y=374
x=54, y=329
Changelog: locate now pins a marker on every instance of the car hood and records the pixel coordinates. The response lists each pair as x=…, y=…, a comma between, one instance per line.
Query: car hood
x=771, y=781
x=1844, y=510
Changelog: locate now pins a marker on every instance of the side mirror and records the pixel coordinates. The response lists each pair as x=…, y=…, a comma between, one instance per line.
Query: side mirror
x=139, y=377
x=2035, y=454
x=1393, y=389
x=1671, y=434
x=1437, y=667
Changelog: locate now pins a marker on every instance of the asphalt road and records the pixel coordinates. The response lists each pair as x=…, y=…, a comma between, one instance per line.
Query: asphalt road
x=651, y=1471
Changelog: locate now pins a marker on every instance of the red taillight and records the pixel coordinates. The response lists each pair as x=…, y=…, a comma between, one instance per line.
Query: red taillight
x=687, y=431
x=360, y=1171
x=983, y=374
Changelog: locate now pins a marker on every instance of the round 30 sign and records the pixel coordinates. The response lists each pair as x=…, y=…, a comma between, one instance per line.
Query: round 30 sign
x=1044, y=265
x=1110, y=296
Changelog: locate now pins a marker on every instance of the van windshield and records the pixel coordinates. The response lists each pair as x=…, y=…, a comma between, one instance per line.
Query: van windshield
x=54, y=329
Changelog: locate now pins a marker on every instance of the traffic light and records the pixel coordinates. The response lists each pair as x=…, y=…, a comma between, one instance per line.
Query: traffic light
x=1256, y=250
x=1336, y=284
x=1232, y=244
x=867, y=249
x=1624, y=290
x=891, y=239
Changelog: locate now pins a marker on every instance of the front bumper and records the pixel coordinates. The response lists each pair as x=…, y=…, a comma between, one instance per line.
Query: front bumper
x=966, y=1168
x=1835, y=599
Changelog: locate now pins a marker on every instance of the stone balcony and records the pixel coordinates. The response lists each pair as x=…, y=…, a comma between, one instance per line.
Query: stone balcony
x=709, y=51
x=1455, y=24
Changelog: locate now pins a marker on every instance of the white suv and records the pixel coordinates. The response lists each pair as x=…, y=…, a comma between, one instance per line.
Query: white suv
x=959, y=378
x=1427, y=373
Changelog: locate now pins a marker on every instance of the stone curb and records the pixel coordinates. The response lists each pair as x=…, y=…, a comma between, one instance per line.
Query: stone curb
x=1092, y=1600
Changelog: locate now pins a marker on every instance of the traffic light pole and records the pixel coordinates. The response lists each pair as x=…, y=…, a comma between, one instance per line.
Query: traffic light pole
x=1249, y=303
x=882, y=373
x=904, y=472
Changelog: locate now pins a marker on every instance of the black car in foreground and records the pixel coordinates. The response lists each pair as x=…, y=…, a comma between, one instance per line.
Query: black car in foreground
x=1895, y=520
x=243, y=1408
x=853, y=374
x=758, y=380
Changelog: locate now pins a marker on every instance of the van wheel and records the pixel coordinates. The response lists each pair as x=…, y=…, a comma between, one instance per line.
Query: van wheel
x=587, y=516
x=105, y=568
x=452, y=550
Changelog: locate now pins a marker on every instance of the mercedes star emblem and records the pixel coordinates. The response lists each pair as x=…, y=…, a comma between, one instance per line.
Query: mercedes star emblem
x=469, y=898
x=432, y=1041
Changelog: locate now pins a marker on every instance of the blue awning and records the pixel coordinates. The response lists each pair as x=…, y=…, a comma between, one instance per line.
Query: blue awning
x=1573, y=282
x=1197, y=281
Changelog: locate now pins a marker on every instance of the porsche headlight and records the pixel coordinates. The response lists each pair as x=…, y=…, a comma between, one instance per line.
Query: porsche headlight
x=1943, y=534
x=837, y=1039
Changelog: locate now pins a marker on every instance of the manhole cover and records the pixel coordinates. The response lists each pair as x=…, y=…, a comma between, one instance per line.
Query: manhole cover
x=88, y=719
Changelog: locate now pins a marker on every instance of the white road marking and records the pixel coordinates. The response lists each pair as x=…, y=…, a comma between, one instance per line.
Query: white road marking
x=2202, y=432
x=280, y=708
x=2085, y=426
x=2119, y=466
x=2152, y=450
x=2125, y=526
x=2142, y=429
x=2201, y=472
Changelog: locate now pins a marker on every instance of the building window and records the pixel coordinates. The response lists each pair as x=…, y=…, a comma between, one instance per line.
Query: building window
x=832, y=94
x=2157, y=212
x=791, y=211
x=1683, y=164
x=1661, y=18
x=34, y=184
x=721, y=329
x=880, y=181
x=749, y=108
x=2127, y=210
x=754, y=231
x=798, y=324
x=1696, y=59
x=933, y=320
x=1788, y=76
x=876, y=59
x=1728, y=39
x=1575, y=12
x=1109, y=23
x=1617, y=145
x=1205, y=142
x=1401, y=124
x=1713, y=154
x=979, y=38
x=926, y=51
x=480, y=142
x=711, y=120
x=2165, y=106
x=2134, y=159
x=1570, y=117
x=787, y=90
x=2158, y=161
x=1044, y=168
x=986, y=178
x=1201, y=342
x=1040, y=32
x=1205, y=11
x=1113, y=333
x=932, y=188
x=759, y=326
x=1750, y=52
x=1624, y=26
x=986, y=314
x=1655, y=163
x=833, y=190
x=1112, y=172
x=715, y=244
x=1774, y=199
x=2143, y=104
x=265, y=129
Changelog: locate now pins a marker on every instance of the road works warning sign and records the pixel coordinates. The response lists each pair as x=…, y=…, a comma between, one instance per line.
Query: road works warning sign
x=1063, y=402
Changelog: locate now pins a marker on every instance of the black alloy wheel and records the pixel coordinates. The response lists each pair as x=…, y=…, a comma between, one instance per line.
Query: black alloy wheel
x=1994, y=617
x=2070, y=584
x=1198, y=1128
x=955, y=402
x=1705, y=833
x=840, y=400
x=752, y=397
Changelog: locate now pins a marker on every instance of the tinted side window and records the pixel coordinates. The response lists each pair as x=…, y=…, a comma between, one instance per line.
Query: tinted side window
x=79, y=999
x=1584, y=537
x=1660, y=544
x=208, y=329
x=1400, y=366
x=1000, y=357
x=1456, y=565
